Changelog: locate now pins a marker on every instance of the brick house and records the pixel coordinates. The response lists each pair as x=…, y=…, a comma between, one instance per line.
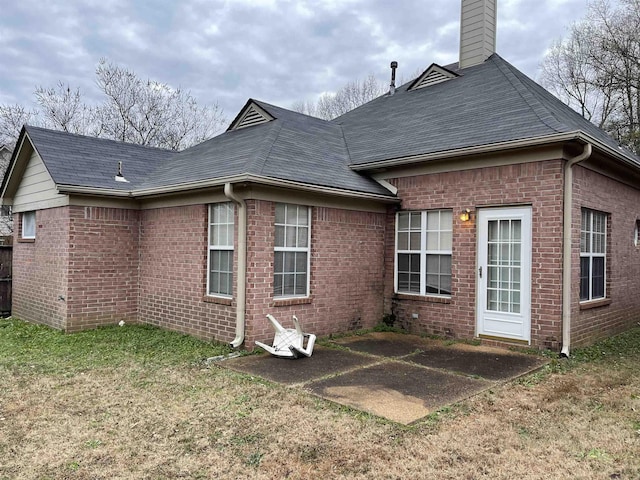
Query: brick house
x=468, y=203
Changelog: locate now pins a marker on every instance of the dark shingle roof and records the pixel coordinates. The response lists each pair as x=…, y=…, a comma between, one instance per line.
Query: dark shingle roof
x=293, y=147
x=488, y=103
x=93, y=162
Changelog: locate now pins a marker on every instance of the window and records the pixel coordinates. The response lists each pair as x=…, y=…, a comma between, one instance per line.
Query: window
x=593, y=249
x=29, y=225
x=291, y=264
x=220, y=280
x=423, y=252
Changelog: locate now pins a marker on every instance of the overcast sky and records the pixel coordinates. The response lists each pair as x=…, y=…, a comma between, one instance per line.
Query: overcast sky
x=272, y=50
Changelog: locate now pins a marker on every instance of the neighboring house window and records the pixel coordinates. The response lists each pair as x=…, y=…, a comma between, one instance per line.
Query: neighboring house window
x=221, y=249
x=29, y=225
x=291, y=264
x=593, y=249
x=423, y=252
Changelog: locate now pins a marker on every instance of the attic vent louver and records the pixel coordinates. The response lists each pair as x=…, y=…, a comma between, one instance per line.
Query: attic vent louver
x=252, y=117
x=431, y=76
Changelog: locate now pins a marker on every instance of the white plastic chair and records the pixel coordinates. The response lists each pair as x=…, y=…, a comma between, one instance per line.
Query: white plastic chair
x=289, y=342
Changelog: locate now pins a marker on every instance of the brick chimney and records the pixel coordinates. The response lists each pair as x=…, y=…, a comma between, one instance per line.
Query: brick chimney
x=477, y=31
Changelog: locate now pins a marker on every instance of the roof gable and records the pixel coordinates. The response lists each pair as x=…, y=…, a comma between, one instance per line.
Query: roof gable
x=290, y=147
x=250, y=115
x=431, y=76
x=94, y=162
x=36, y=188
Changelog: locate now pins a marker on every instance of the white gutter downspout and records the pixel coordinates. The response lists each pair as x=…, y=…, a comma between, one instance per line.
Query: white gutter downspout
x=566, y=247
x=242, y=263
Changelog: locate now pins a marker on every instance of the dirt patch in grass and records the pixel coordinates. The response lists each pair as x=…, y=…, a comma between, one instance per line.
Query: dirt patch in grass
x=135, y=421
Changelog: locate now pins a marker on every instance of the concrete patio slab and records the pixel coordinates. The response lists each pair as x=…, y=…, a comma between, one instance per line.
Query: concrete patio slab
x=398, y=391
x=323, y=362
x=489, y=363
x=399, y=377
x=386, y=344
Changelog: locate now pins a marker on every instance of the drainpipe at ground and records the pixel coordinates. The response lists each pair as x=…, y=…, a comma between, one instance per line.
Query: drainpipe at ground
x=242, y=264
x=566, y=246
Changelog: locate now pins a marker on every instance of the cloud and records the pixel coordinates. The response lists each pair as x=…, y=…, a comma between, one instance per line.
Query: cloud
x=279, y=51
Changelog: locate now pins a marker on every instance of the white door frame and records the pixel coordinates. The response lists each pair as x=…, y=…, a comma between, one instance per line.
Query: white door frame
x=510, y=320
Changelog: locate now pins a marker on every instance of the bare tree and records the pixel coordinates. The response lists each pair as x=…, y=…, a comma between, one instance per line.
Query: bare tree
x=6, y=219
x=596, y=70
x=350, y=96
x=567, y=72
x=146, y=112
x=307, y=107
x=152, y=113
x=12, y=117
x=63, y=109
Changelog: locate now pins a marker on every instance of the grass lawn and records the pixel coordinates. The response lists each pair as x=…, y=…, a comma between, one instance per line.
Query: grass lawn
x=136, y=402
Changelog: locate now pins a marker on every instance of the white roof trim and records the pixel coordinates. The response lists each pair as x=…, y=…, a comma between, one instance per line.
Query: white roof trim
x=579, y=135
x=216, y=182
x=474, y=150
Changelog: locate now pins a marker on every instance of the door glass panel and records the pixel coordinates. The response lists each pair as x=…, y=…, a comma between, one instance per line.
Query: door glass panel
x=493, y=231
x=493, y=253
x=503, y=265
x=515, y=231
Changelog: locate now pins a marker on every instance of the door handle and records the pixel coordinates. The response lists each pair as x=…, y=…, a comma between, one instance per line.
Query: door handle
x=480, y=272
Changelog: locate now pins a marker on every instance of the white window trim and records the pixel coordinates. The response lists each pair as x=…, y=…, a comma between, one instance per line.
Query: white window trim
x=22, y=233
x=211, y=248
x=306, y=249
x=423, y=252
x=592, y=255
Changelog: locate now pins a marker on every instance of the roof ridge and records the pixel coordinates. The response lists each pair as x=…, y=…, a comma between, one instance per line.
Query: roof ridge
x=346, y=144
x=94, y=138
x=267, y=106
x=265, y=149
x=528, y=96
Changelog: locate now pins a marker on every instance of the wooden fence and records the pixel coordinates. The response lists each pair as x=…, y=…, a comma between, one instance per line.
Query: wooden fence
x=6, y=255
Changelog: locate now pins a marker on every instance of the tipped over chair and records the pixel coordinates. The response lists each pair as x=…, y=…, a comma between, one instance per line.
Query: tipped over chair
x=289, y=342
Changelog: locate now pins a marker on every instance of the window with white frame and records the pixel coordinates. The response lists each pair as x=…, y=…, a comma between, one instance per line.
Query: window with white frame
x=291, y=256
x=29, y=225
x=423, y=252
x=220, y=279
x=593, y=251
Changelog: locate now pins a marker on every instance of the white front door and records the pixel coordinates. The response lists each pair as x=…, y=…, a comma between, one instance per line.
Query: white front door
x=504, y=273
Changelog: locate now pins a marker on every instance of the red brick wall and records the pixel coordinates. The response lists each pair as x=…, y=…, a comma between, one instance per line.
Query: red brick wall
x=622, y=204
x=151, y=266
x=173, y=269
x=40, y=270
x=537, y=184
x=103, y=267
x=347, y=249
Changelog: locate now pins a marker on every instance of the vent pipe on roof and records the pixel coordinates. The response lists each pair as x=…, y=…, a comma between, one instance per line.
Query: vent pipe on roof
x=477, y=31
x=119, y=176
x=392, y=87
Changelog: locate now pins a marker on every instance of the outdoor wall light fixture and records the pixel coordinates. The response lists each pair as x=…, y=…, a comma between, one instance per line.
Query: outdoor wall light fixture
x=465, y=215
